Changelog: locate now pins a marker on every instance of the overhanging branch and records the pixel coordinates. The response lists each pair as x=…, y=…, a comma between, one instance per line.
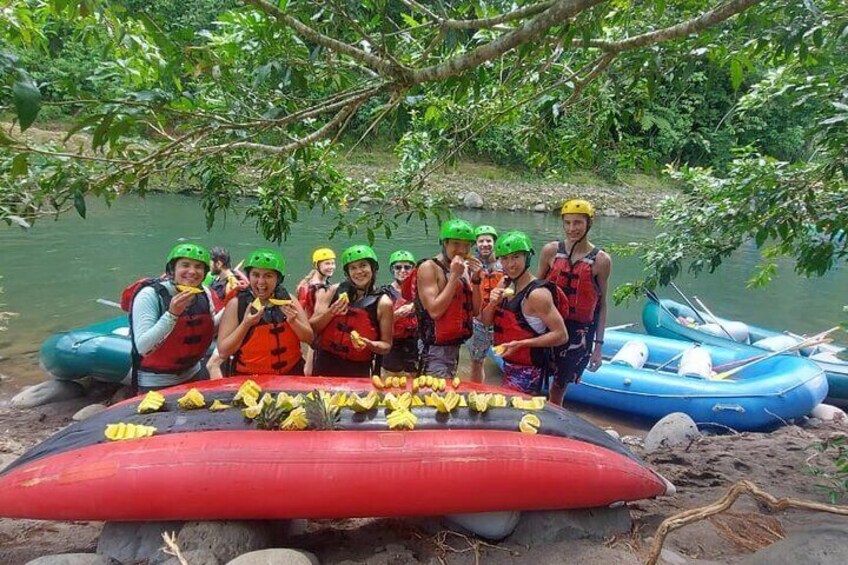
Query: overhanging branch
x=519, y=14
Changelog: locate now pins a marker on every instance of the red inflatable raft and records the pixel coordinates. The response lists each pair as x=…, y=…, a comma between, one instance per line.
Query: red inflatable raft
x=204, y=465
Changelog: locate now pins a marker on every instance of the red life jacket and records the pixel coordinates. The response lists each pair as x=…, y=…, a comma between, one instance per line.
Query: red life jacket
x=128, y=294
x=578, y=283
x=306, y=296
x=488, y=281
x=511, y=324
x=220, y=294
x=190, y=339
x=361, y=316
x=271, y=346
x=405, y=327
x=455, y=325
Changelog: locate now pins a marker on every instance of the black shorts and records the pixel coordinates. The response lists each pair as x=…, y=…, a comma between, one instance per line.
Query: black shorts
x=572, y=358
x=403, y=357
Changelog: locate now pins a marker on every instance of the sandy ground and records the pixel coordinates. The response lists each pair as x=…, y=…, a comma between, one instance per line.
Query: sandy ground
x=703, y=471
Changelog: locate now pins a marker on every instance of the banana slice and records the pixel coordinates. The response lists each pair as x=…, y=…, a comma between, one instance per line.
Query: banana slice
x=456, y=382
x=377, y=382
x=122, y=431
x=529, y=424
x=151, y=402
x=279, y=302
x=190, y=289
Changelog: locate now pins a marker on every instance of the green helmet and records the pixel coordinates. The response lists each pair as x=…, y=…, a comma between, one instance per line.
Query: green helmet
x=513, y=242
x=457, y=228
x=189, y=251
x=266, y=259
x=358, y=253
x=485, y=230
x=401, y=255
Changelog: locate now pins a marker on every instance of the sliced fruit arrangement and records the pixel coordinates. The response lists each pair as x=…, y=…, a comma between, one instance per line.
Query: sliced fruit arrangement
x=122, y=431
x=321, y=409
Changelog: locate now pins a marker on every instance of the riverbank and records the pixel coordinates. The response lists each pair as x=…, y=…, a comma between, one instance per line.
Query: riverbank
x=467, y=184
x=702, y=471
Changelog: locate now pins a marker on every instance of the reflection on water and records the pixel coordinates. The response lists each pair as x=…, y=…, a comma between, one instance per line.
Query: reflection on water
x=54, y=273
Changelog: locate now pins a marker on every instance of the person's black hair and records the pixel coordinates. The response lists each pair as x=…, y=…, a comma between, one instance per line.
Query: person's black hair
x=222, y=255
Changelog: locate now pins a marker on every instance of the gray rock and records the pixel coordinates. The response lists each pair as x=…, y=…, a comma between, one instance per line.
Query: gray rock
x=540, y=208
x=135, y=541
x=813, y=423
x=45, y=393
x=75, y=559
x=195, y=557
x=612, y=433
x=670, y=557
x=828, y=413
x=822, y=545
x=120, y=395
x=609, y=212
x=276, y=556
x=472, y=200
x=488, y=525
x=88, y=412
x=675, y=429
x=366, y=199
x=226, y=539
x=550, y=526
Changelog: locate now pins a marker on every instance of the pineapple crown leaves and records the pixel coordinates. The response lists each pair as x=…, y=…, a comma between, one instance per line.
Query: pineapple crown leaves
x=321, y=413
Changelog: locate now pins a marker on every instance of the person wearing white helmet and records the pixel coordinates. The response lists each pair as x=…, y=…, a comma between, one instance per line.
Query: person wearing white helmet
x=582, y=271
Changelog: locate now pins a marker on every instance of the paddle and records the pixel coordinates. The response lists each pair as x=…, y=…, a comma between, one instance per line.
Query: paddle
x=732, y=364
x=620, y=327
x=692, y=306
x=713, y=316
x=653, y=297
x=806, y=343
x=111, y=303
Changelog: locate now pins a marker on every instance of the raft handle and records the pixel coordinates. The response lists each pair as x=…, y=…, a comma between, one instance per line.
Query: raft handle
x=729, y=407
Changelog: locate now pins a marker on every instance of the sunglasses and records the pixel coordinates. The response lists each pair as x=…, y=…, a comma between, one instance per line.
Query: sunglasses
x=402, y=267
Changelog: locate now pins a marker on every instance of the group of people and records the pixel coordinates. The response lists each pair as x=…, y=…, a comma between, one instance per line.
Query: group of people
x=544, y=326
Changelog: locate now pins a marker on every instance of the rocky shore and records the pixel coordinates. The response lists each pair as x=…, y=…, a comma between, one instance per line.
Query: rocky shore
x=701, y=466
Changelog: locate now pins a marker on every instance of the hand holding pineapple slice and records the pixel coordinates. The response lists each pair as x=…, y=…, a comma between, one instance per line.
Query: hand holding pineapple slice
x=189, y=289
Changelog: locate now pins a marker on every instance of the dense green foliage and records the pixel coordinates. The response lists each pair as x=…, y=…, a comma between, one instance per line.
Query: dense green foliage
x=745, y=100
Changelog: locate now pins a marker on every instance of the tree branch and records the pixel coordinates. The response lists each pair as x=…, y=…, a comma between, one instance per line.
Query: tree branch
x=377, y=63
x=519, y=14
x=556, y=14
x=695, y=25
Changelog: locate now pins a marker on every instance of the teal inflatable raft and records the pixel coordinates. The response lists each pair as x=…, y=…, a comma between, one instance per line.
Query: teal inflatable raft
x=101, y=350
x=671, y=319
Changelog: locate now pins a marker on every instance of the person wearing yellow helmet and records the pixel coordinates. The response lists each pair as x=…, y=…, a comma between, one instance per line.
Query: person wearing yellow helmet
x=353, y=320
x=314, y=284
x=582, y=271
x=444, y=299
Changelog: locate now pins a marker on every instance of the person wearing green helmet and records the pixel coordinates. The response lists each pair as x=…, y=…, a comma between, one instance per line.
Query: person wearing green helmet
x=172, y=321
x=316, y=282
x=353, y=320
x=526, y=313
x=403, y=357
x=263, y=326
x=444, y=299
x=582, y=271
x=484, y=281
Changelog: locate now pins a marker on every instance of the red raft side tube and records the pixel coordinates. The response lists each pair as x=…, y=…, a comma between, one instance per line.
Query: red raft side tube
x=202, y=465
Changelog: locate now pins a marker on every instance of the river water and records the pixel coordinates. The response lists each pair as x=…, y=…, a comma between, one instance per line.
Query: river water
x=54, y=273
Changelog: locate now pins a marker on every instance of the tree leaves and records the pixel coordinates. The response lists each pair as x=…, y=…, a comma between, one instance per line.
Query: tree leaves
x=27, y=100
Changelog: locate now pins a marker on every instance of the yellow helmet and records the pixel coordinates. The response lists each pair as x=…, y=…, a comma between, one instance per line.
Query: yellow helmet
x=577, y=206
x=322, y=254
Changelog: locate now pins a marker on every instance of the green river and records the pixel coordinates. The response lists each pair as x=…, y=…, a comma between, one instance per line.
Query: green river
x=54, y=273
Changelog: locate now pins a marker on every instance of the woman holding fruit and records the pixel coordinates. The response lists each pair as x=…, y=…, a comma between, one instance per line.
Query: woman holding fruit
x=263, y=327
x=353, y=321
x=172, y=321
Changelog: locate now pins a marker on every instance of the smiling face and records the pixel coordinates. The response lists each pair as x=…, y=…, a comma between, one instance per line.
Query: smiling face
x=326, y=267
x=454, y=247
x=514, y=264
x=401, y=270
x=485, y=246
x=360, y=273
x=263, y=282
x=189, y=272
x=575, y=226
